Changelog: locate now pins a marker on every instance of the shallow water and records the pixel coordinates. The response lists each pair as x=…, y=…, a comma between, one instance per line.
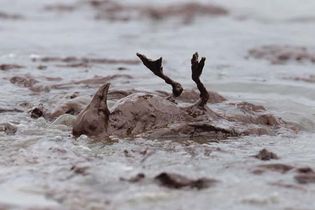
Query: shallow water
x=35, y=164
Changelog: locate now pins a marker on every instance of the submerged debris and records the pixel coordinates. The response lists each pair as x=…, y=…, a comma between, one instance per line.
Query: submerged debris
x=85, y=62
x=177, y=181
x=287, y=185
x=34, y=85
x=42, y=67
x=264, y=154
x=38, y=112
x=96, y=80
x=60, y=7
x=282, y=54
x=80, y=170
x=305, y=170
x=275, y=167
x=6, y=67
x=8, y=128
x=114, y=11
x=8, y=16
x=305, y=175
x=139, y=177
x=305, y=178
x=29, y=82
x=187, y=11
x=249, y=107
x=25, y=81
x=309, y=78
x=71, y=106
x=3, y=110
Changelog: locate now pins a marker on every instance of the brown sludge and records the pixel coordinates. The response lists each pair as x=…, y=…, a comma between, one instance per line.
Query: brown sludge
x=60, y=7
x=288, y=186
x=113, y=11
x=8, y=128
x=282, y=54
x=264, y=154
x=6, y=67
x=96, y=80
x=139, y=177
x=275, y=167
x=305, y=175
x=7, y=16
x=249, y=107
x=84, y=62
x=80, y=170
x=309, y=78
x=38, y=112
x=28, y=81
x=3, y=110
x=177, y=181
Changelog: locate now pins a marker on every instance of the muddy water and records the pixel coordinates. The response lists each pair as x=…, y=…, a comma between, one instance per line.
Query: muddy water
x=43, y=167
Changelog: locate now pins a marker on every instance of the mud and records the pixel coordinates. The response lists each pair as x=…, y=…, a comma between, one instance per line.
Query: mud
x=177, y=181
x=187, y=12
x=72, y=106
x=10, y=16
x=187, y=96
x=173, y=181
x=283, y=54
x=305, y=178
x=273, y=167
x=29, y=82
x=3, y=110
x=304, y=170
x=288, y=186
x=84, y=62
x=60, y=7
x=248, y=107
x=303, y=175
x=306, y=19
x=24, y=81
x=139, y=177
x=124, y=119
x=80, y=170
x=97, y=80
x=308, y=79
x=6, y=67
x=71, y=103
x=38, y=112
x=190, y=96
x=264, y=154
x=8, y=128
x=39, y=84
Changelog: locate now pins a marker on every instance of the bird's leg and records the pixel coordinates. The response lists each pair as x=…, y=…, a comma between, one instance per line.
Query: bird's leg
x=157, y=69
x=196, y=69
